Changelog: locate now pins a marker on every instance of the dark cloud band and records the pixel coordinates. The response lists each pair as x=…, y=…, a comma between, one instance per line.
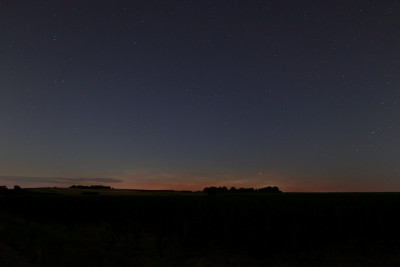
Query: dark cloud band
x=58, y=180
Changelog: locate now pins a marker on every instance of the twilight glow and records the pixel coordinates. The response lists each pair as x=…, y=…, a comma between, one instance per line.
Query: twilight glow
x=188, y=94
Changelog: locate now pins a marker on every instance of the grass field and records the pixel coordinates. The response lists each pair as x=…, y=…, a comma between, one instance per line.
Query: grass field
x=64, y=227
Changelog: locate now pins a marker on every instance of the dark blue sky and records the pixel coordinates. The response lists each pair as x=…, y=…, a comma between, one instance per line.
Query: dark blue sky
x=185, y=94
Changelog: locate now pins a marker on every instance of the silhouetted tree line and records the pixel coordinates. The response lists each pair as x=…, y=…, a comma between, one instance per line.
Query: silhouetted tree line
x=3, y=188
x=16, y=189
x=214, y=190
x=90, y=187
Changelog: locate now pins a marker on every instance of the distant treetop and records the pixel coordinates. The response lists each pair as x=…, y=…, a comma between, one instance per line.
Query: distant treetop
x=3, y=188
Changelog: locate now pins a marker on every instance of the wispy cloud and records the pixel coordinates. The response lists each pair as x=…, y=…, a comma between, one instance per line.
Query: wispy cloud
x=55, y=180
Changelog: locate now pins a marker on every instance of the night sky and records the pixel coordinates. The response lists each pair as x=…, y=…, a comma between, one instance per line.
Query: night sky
x=303, y=95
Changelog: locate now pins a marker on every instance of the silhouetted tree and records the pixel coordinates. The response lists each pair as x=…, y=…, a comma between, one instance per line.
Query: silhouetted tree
x=3, y=189
x=269, y=189
x=246, y=190
x=17, y=188
x=211, y=190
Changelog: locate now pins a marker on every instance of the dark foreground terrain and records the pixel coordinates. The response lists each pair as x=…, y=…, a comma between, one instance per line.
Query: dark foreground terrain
x=119, y=228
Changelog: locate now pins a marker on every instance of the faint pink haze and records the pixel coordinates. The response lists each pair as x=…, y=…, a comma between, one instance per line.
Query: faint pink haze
x=286, y=182
x=196, y=181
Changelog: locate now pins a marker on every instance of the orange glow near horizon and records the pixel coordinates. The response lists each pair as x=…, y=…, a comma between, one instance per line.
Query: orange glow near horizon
x=197, y=182
x=200, y=188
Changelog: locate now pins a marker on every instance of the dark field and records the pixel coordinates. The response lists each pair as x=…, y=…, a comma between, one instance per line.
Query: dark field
x=62, y=227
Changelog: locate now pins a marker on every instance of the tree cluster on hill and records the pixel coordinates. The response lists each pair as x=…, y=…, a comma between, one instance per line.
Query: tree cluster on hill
x=16, y=190
x=214, y=190
x=90, y=187
x=3, y=188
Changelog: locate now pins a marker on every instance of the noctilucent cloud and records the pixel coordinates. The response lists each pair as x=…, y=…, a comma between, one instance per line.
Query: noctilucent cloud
x=303, y=95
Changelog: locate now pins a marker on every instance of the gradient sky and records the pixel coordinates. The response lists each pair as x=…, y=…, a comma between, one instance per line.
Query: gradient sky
x=303, y=95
